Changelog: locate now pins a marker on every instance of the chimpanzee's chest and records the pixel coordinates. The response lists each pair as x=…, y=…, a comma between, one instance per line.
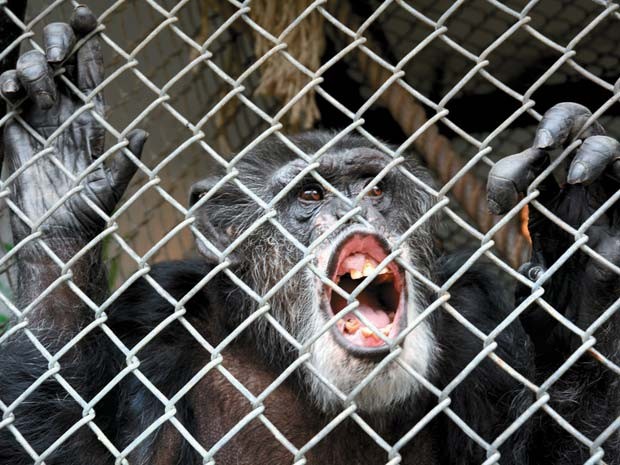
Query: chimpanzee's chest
x=281, y=428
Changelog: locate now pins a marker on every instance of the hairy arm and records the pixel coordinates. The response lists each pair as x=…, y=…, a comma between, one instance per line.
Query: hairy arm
x=574, y=329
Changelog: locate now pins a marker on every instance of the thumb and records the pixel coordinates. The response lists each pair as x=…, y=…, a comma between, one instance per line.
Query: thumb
x=123, y=168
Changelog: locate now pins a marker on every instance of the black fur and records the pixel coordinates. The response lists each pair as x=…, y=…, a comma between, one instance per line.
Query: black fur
x=488, y=400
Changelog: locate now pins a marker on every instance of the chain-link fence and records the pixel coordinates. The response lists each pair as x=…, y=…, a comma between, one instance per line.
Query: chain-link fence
x=452, y=86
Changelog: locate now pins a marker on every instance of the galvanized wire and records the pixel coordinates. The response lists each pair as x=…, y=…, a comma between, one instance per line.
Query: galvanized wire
x=266, y=119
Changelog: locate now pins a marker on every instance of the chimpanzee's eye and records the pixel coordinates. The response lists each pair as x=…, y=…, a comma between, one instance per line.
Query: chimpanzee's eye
x=311, y=193
x=375, y=191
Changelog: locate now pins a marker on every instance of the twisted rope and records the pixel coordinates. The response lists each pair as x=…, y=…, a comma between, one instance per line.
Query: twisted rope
x=437, y=152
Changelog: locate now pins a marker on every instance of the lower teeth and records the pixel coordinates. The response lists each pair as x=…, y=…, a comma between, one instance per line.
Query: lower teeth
x=351, y=326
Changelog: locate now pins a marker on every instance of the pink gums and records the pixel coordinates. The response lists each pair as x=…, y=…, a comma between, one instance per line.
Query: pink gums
x=353, y=255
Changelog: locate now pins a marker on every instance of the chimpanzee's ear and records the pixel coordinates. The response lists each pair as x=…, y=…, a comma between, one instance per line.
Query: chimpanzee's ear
x=212, y=208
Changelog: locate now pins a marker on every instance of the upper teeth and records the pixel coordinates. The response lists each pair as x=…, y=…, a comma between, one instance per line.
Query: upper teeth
x=368, y=269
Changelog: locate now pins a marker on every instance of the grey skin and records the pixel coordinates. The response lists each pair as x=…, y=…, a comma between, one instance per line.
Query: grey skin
x=46, y=104
x=582, y=289
x=593, y=176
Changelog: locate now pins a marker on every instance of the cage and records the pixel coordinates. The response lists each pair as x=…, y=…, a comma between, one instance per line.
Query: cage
x=455, y=85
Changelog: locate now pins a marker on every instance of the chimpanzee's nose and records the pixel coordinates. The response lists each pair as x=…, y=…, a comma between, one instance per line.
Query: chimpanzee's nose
x=341, y=209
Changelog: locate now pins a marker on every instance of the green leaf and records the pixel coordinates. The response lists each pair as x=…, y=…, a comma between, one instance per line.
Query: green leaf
x=4, y=323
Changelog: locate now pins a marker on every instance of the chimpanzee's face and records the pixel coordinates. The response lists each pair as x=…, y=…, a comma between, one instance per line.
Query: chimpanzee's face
x=354, y=301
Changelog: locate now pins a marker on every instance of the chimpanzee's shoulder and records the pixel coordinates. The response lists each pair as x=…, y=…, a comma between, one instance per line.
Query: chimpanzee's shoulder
x=481, y=282
x=177, y=277
x=148, y=301
x=485, y=299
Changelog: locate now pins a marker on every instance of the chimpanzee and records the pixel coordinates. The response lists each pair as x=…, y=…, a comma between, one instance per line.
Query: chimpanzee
x=309, y=331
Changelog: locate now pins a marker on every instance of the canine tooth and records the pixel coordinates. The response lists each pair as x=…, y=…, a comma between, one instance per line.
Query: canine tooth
x=355, y=274
x=351, y=326
x=366, y=332
x=384, y=270
x=368, y=268
x=384, y=278
x=386, y=329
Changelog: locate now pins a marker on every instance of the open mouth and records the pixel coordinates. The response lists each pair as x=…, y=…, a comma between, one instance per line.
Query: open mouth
x=381, y=302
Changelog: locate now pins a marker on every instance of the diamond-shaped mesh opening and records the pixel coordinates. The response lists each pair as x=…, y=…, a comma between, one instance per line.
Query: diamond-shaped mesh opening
x=300, y=311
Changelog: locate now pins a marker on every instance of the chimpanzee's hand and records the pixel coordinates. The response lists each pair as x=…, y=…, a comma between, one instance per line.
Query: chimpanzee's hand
x=583, y=287
x=38, y=189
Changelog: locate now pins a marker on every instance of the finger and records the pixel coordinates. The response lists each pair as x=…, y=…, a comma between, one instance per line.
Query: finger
x=89, y=65
x=83, y=20
x=123, y=168
x=563, y=122
x=90, y=70
x=10, y=87
x=511, y=176
x=36, y=76
x=594, y=156
x=58, y=39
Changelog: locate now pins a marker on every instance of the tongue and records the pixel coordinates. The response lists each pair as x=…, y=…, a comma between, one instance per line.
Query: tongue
x=370, y=308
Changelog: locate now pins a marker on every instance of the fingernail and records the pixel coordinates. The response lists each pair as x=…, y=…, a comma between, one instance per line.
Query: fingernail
x=141, y=133
x=54, y=54
x=578, y=173
x=81, y=9
x=543, y=140
x=33, y=73
x=10, y=87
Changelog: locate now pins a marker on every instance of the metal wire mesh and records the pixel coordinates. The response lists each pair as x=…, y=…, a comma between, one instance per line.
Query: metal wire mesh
x=483, y=71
